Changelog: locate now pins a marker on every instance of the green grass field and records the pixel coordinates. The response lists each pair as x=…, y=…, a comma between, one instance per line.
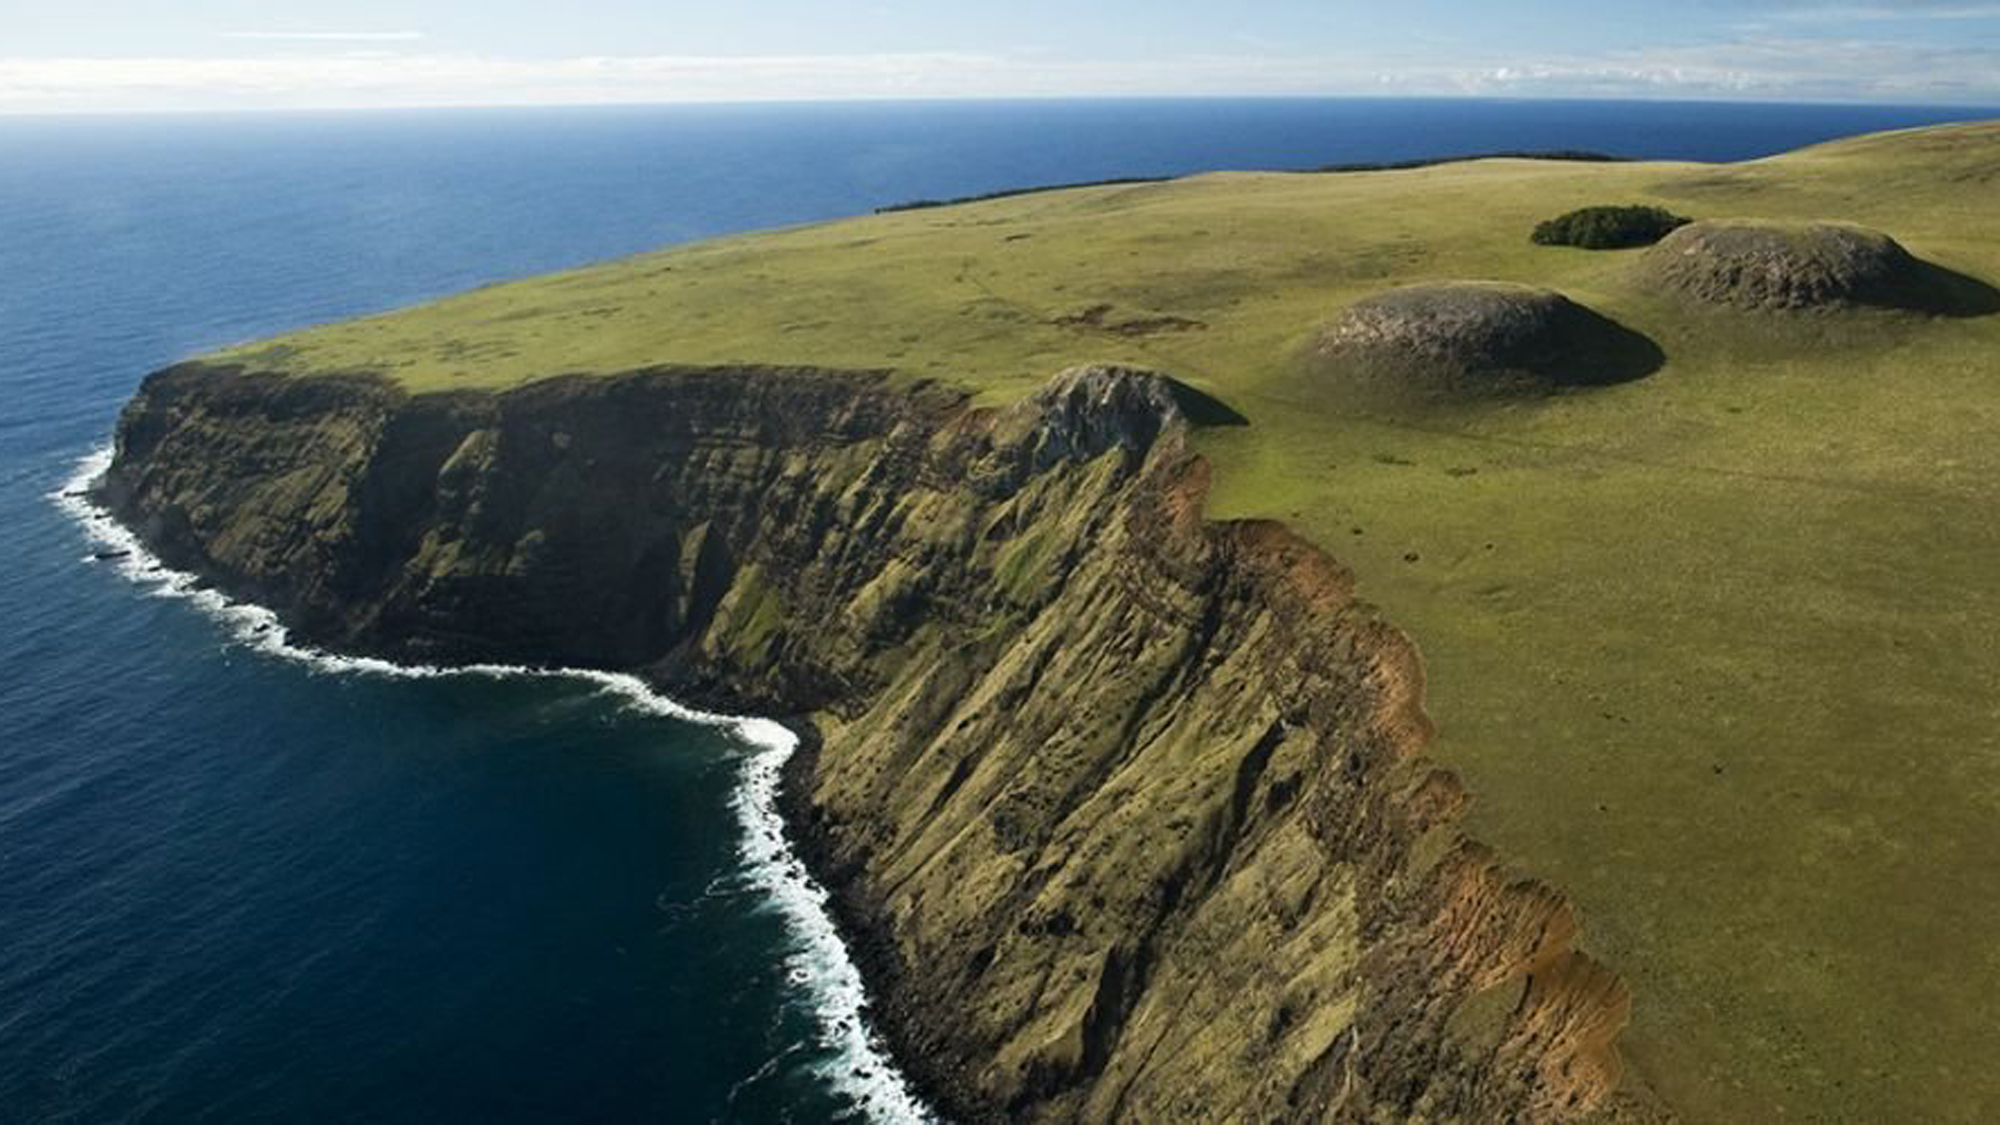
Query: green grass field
x=1717, y=650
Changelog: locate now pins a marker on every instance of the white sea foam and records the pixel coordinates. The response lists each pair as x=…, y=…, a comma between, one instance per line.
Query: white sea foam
x=818, y=964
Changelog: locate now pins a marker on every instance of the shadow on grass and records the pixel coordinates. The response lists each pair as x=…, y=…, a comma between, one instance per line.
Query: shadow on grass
x=1943, y=292
x=1595, y=351
x=1202, y=408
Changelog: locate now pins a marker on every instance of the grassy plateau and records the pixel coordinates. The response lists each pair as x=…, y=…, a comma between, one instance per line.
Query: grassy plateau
x=1717, y=648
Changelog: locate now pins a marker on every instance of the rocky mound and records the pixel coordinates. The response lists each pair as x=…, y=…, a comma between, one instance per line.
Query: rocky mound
x=1469, y=340
x=1771, y=266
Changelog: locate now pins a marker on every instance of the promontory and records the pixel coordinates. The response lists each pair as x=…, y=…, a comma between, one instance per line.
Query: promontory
x=1273, y=646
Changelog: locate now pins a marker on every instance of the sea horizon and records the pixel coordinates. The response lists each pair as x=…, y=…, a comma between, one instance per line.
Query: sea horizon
x=1981, y=108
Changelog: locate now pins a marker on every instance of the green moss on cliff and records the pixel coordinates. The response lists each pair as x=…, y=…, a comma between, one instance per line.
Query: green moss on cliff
x=751, y=617
x=1022, y=571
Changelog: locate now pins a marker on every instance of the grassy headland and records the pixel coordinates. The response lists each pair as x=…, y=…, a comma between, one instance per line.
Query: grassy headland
x=1713, y=647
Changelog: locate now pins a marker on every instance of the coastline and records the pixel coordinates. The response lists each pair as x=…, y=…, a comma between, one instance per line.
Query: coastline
x=1226, y=868
x=869, y=942
x=865, y=1069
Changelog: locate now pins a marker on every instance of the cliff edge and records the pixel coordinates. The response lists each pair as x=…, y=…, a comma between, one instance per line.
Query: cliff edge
x=1126, y=810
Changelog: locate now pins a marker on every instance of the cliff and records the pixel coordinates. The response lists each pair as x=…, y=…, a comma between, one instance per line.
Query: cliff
x=1126, y=810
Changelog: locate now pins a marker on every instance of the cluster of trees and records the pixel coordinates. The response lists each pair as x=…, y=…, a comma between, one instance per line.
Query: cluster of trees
x=921, y=204
x=1575, y=155
x=1609, y=228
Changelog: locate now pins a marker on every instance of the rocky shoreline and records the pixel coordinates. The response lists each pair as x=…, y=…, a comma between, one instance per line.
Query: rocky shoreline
x=870, y=943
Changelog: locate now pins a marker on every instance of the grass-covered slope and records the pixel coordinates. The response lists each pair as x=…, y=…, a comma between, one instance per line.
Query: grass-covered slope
x=1713, y=647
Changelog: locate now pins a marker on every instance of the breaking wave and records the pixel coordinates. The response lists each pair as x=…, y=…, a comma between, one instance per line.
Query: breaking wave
x=818, y=965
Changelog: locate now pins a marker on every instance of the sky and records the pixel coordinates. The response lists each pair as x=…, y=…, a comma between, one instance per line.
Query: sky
x=126, y=55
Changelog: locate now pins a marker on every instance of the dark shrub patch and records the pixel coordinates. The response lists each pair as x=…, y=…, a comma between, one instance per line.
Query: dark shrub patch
x=1609, y=228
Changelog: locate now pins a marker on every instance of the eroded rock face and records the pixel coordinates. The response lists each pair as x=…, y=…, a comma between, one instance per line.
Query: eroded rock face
x=1126, y=811
x=1755, y=265
x=1467, y=341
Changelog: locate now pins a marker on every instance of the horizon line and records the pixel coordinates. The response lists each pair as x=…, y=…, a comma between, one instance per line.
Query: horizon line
x=970, y=99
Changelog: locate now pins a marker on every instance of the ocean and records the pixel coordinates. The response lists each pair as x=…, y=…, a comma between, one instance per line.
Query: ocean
x=242, y=882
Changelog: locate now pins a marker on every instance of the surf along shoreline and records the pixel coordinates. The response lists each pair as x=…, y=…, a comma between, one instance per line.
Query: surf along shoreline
x=778, y=860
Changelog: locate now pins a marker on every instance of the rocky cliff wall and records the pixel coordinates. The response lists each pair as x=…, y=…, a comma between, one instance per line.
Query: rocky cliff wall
x=1126, y=810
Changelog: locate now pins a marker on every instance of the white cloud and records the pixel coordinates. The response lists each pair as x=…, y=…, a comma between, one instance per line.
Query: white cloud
x=1888, y=12
x=328, y=36
x=1772, y=68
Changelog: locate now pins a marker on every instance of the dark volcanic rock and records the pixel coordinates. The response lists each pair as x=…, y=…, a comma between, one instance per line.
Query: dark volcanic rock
x=1795, y=267
x=1467, y=341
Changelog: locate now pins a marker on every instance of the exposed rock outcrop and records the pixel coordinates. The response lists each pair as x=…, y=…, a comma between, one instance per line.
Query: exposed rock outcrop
x=1126, y=810
x=1471, y=341
x=1757, y=265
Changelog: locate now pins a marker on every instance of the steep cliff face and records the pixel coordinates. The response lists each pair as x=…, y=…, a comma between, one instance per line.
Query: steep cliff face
x=1126, y=810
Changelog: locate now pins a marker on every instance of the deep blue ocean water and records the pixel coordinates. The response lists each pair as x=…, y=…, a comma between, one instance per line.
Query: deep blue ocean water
x=239, y=887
